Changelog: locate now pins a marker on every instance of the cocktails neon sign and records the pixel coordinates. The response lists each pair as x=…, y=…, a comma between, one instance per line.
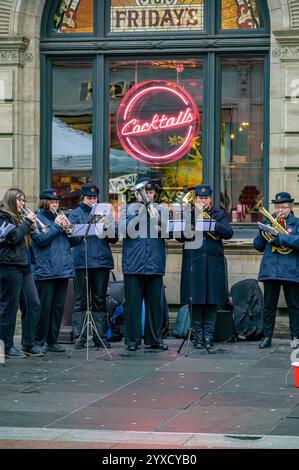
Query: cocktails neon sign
x=157, y=122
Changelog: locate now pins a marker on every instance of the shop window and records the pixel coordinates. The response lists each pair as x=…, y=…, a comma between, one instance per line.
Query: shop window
x=128, y=16
x=71, y=129
x=241, y=14
x=73, y=16
x=157, y=126
x=242, y=137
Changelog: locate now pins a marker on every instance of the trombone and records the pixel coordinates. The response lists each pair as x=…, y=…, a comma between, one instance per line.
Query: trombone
x=39, y=226
x=259, y=208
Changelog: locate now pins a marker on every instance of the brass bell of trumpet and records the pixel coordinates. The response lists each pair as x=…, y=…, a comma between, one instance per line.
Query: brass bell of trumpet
x=190, y=198
x=152, y=210
x=259, y=208
x=69, y=227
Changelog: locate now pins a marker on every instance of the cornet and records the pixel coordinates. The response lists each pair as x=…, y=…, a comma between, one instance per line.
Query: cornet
x=151, y=209
x=68, y=227
x=39, y=226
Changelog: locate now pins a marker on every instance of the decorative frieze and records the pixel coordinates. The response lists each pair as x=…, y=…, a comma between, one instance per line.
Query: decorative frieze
x=12, y=51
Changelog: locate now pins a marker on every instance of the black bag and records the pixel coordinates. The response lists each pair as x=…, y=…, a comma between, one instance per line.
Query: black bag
x=115, y=302
x=224, y=327
x=248, y=307
x=182, y=323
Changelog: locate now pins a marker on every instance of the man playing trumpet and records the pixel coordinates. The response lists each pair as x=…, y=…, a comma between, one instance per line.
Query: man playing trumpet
x=280, y=267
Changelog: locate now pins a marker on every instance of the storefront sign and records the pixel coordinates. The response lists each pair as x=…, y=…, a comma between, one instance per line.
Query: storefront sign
x=157, y=15
x=157, y=122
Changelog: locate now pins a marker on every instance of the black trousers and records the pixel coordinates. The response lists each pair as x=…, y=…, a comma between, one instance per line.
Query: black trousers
x=11, y=285
x=271, y=295
x=30, y=308
x=98, y=283
x=204, y=321
x=137, y=288
x=52, y=293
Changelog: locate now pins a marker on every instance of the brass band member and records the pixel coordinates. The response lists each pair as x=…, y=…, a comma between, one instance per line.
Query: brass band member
x=280, y=267
x=15, y=275
x=203, y=283
x=54, y=266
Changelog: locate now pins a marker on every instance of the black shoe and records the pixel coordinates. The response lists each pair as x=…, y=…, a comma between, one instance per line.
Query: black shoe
x=99, y=344
x=265, y=343
x=80, y=344
x=132, y=348
x=13, y=353
x=161, y=346
x=55, y=348
x=199, y=345
x=35, y=350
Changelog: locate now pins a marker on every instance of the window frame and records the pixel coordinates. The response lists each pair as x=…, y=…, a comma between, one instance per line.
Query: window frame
x=102, y=47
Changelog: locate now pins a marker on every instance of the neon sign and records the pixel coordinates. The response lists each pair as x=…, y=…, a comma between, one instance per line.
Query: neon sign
x=157, y=122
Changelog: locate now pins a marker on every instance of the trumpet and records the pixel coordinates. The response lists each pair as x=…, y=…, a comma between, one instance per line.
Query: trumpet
x=151, y=209
x=259, y=208
x=67, y=226
x=190, y=198
x=39, y=226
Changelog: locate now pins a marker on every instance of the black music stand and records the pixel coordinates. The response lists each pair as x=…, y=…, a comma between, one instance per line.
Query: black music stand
x=88, y=323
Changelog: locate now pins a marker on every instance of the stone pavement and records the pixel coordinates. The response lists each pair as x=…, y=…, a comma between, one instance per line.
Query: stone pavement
x=235, y=397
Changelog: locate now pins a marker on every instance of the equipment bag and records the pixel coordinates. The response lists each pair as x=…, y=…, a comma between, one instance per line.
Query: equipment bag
x=248, y=307
x=183, y=322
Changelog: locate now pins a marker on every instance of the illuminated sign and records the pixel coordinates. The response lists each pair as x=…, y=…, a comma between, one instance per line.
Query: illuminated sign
x=157, y=122
x=156, y=15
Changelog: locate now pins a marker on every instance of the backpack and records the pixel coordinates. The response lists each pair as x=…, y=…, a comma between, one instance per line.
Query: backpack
x=248, y=307
x=115, y=302
x=182, y=323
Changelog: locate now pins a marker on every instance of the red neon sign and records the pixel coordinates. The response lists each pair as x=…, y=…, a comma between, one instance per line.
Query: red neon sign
x=157, y=122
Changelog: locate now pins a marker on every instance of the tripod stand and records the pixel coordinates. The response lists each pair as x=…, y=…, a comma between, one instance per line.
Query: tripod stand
x=88, y=324
x=187, y=338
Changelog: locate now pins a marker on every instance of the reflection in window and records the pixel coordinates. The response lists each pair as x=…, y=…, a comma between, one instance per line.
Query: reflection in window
x=71, y=129
x=156, y=15
x=73, y=16
x=242, y=137
x=172, y=178
x=241, y=14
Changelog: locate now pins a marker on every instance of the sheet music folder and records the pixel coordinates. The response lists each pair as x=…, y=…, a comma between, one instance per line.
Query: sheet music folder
x=267, y=228
x=93, y=229
x=201, y=226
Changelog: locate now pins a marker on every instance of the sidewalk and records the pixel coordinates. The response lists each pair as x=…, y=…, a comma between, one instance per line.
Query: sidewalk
x=236, y=397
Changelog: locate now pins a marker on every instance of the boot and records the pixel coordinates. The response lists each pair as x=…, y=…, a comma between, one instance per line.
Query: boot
x=100, y=319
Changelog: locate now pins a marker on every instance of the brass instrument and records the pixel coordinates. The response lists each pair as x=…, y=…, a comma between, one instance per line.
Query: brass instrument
x=39, y=226
x=69, y=227
x=190, y=198
x=259, y=208
x=151, y=209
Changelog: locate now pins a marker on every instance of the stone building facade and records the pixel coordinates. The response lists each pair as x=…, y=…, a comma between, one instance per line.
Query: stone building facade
x=20, y=24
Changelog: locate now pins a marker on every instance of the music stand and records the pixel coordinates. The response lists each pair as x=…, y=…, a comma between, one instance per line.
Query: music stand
x=89, y=323
x=204, y=226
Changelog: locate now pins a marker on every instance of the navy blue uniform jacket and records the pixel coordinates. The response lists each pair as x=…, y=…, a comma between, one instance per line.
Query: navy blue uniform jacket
x=277, y=267
x=203, y=269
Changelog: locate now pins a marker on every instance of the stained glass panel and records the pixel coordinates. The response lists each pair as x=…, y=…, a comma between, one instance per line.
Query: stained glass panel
x=73, y=16
x=156, y=15
x=241, y=14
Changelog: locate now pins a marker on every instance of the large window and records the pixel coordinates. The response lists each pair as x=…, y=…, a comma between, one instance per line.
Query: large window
x=171, y=177
x=242, y=136
x=206, y=120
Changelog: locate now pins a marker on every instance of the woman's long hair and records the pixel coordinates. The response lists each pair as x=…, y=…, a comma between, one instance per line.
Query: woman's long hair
x=9, y=203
